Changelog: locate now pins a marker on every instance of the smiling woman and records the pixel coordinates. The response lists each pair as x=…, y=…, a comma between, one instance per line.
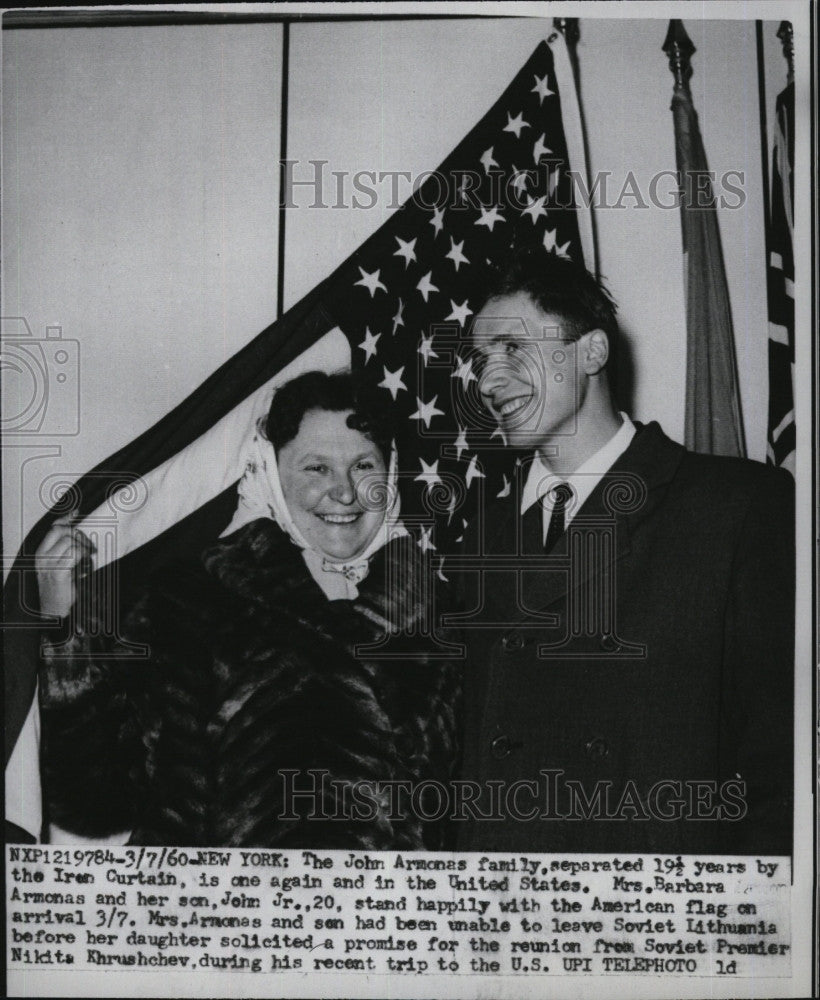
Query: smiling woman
x=256, y=682
x=332, y=442
x=323, y=472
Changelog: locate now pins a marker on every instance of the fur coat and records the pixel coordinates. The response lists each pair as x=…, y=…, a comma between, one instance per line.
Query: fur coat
x=253, y=687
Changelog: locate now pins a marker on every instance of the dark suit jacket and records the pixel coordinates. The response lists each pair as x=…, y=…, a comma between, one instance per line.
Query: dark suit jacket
x=664, y=684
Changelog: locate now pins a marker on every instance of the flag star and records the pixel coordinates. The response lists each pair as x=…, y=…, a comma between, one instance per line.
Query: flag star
x=461, y=442
x=426, y=349
x=429, y=473
x=398, y=319
x=473, y=472
x=425, y=543
x=487, y=160
x=461, y=536
x=426, y=411
x=505, y=489
x=539, y=149
x=459, y=313
x=393, y=382
x=451, y=507
x=461, y=194
x=489, y=218
x=426, y=286
x=406, y=250
x=520, y=179
x=516, y=124
x=464, y=371
x=440, y=571
x=368, y=345
x=551, y=246
x=437, y=222
x=371, y=281
x=455, y=254
x=542, y=89
x=535, y=208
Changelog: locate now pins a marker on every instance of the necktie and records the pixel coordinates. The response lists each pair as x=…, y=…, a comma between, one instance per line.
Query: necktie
x=560, y=496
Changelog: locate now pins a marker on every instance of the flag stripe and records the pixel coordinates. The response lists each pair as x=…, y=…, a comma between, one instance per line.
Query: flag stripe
x=780, y=289
x=788, y=419
x=574, y=132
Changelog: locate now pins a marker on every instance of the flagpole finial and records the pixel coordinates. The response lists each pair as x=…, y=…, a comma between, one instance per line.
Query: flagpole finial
x=786, y=35
x=679, y=50
x=568, y=26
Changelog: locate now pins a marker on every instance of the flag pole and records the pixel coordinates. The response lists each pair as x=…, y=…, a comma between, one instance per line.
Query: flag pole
x=713, y=417
x=568, y=26
x=679, y=49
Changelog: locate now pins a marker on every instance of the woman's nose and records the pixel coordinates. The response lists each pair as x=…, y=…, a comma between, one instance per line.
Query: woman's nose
x=343, y=490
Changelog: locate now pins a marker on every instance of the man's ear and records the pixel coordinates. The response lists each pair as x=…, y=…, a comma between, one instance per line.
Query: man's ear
x=593, y=352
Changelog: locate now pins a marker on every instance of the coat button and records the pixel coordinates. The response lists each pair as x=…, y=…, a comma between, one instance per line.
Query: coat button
x=501, y=747
x=609, y=644
x=513, y=642
x=597, y=748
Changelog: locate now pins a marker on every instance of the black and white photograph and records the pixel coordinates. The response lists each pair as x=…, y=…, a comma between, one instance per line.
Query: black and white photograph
x=408, y=499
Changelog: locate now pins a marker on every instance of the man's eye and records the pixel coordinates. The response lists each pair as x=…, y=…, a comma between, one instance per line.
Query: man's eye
x=366, y=465
x=512, y=346
x=316, y=468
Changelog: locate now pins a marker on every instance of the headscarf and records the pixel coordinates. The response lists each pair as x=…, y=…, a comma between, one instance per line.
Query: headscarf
x=260, y=495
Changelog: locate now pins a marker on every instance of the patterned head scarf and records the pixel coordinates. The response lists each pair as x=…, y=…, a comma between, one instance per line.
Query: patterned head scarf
x=260, y=495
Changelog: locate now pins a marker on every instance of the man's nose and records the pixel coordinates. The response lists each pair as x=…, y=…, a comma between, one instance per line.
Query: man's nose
x=343, y=490
x=495, y=376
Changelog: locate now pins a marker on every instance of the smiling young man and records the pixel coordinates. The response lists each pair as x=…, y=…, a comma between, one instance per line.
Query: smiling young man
x=630, y=647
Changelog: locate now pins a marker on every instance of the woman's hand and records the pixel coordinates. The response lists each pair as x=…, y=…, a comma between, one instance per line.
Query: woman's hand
x=56, y=559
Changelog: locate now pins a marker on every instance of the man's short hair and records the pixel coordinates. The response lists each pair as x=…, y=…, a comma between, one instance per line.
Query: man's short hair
x=559, y=287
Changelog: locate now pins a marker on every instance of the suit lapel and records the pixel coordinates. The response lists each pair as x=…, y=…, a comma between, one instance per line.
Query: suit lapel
x=599, y=535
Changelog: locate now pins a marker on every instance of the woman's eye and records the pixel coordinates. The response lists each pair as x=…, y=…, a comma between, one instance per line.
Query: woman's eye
x=316, y=468
x=366, y=465
x=511, y=346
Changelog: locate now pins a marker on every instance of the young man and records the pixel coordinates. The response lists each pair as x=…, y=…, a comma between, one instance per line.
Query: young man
x=630, y=644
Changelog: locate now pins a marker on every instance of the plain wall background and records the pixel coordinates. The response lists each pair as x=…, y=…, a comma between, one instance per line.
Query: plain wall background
x=140, y=213
x=140, y=193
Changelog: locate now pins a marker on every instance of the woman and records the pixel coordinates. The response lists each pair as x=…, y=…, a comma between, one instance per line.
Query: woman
x=255, y=690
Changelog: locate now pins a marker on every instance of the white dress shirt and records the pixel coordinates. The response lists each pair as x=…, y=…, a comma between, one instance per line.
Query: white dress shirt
x=541, y=479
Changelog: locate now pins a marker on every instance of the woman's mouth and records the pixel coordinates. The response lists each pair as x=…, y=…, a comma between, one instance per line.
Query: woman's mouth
x=339, y=518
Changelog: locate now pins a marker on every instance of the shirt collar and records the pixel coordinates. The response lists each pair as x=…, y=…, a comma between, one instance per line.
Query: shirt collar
x=541, y=478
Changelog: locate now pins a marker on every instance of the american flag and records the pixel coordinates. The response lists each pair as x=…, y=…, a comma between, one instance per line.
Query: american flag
x=407, y=299
x=781, y=435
